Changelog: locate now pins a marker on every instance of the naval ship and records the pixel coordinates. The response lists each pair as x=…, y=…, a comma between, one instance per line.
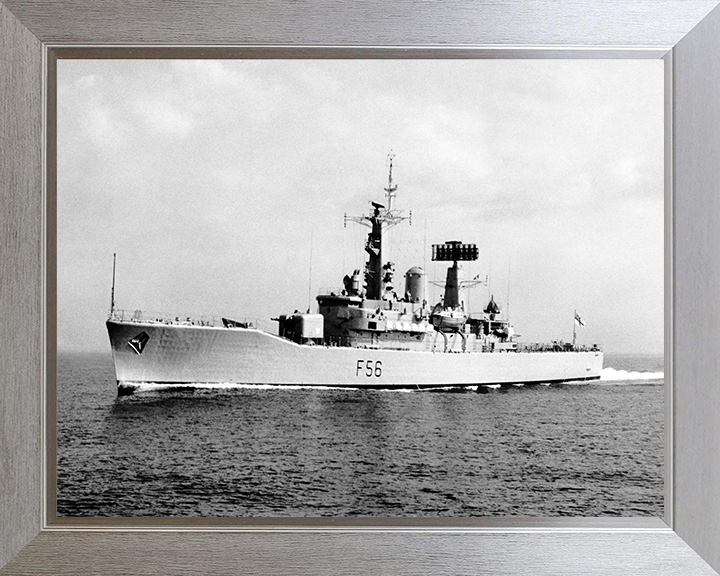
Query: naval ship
x=364, y=335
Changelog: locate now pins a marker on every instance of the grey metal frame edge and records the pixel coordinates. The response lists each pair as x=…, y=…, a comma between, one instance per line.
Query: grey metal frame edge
x=686, y=33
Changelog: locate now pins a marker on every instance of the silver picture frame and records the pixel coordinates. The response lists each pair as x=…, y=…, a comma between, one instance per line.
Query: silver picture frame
x=686, y=34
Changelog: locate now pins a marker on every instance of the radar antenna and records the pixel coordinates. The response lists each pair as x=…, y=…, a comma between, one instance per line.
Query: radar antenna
x=385, y=215
x=454, y=251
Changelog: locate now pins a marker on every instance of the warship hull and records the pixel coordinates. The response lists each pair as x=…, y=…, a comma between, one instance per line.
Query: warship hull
x=171, y=354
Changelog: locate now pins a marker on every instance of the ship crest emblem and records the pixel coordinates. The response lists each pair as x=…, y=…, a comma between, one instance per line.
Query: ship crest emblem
x=138, y=343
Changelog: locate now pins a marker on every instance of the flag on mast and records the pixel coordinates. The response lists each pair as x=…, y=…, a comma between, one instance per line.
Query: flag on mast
x=578, y=320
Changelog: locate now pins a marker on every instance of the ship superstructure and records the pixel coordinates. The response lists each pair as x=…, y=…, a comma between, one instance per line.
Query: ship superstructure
x=369, y=333
x=371, y=314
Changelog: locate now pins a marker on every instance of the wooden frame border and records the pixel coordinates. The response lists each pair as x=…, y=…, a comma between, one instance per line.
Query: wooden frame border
x=689, y=31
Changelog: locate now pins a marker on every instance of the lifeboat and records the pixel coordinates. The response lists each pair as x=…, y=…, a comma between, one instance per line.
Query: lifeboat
x=449, y=320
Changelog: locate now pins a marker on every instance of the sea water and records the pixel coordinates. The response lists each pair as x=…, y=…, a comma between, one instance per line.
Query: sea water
x=572, y=449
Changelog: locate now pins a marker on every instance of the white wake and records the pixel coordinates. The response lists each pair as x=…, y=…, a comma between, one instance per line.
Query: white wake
x=613, y=375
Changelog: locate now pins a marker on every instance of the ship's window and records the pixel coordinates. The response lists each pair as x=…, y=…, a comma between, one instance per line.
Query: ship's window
x=372, y=325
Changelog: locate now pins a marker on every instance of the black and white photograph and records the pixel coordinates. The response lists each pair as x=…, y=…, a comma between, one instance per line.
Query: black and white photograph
x=360, y=288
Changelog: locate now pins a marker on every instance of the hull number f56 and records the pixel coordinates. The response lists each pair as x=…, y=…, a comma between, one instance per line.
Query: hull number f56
x=369, y=368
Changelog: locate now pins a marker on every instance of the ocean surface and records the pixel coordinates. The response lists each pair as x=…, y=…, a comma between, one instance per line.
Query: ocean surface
x=573, y=449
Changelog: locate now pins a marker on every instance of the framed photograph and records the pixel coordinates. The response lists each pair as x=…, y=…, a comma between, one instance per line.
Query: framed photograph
x=163, y=110
x=552, y=168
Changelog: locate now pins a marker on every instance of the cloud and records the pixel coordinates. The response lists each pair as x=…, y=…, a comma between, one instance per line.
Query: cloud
x=84, y=83
x=104, y=128
x=163, y=117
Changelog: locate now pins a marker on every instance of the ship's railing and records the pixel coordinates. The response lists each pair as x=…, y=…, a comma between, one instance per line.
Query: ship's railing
x=337, y=291
x=556, y=347
x=149, y=317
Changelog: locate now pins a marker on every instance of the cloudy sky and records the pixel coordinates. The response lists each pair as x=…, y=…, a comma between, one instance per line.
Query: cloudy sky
x=222, y=186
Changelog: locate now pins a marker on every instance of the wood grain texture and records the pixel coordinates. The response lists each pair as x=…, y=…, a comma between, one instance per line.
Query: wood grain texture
x=20, y=230
x=142, y=553
x=375, y=22
x=697, y=288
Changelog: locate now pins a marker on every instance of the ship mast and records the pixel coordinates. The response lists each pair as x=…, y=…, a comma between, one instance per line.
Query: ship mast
x=381, y=218
x=112, y=291
x=390, y=190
